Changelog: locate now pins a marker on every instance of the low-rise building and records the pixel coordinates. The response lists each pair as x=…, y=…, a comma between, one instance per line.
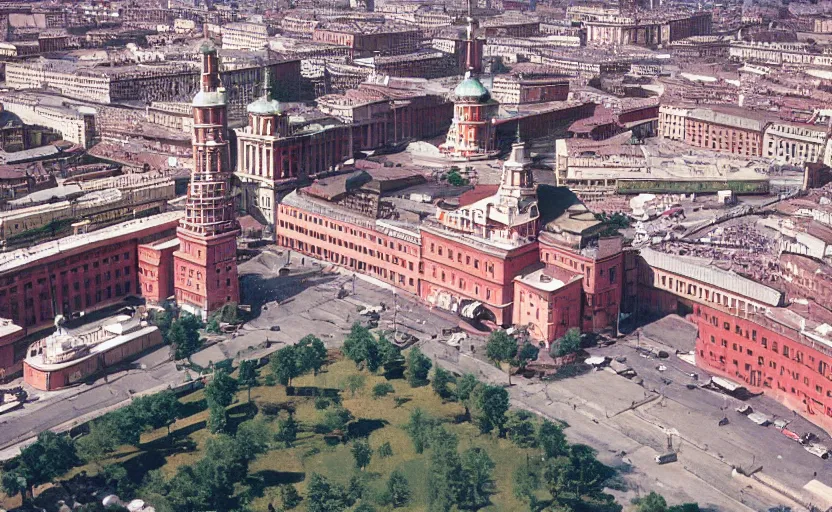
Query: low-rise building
x=794, y=143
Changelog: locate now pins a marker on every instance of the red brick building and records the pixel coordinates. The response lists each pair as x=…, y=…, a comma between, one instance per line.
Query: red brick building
x=273, y=156
x=9, y=335
x=205, y=265
x=548, y=301
x=156, y=270
x=74, y=275
x=365, y=39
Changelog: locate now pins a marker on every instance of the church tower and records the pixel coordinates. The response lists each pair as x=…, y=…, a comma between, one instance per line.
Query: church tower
x=205, y=266
x=472, y=135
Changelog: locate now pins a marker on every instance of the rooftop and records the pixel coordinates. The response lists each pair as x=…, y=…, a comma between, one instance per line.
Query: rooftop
x=15, y=260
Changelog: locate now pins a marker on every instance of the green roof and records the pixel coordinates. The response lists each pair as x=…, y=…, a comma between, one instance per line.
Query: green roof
x=472, y=89
x=207, y=48
x=264, y=106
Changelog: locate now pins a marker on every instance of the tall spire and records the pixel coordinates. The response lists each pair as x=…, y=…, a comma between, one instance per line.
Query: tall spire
x=267, y=84
x=469, y=57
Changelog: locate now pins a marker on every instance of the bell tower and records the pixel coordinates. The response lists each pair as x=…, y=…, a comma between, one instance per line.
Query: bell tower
x=205, y=266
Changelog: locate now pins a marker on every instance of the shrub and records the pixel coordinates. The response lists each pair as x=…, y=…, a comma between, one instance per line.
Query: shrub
x=382, y=389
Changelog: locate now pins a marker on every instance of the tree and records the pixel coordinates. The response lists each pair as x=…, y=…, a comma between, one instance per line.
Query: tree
x=252, y=438
x=362, y=453
x=526, y=483
x=478, y=483
x=567, y=344
x=284, y=365
x=353, y=382
x=219, y=470
x=43, y=461
x=464, y=391
x=217, y=421
x=128, y=423
x=419, y=428
x=157, y=410
x=248, y=375
x=591, y=473
x=385, y=450
x=441, y=383
x=528, y=352
x=289, y=496
x=551, y=439
x=389, y=352
x=559, y=476
x=418, y=367
x=14, y=482
x=652, y=503
x=492, y=405
x=502, y=348
x=311, y=353
x=336, y=419
x=355, y=489
x=445, y=473
x=100, y=442
x=163, y=320
x=213, y=326
x=183, y=335
x=220, y=390
x=362, y=348
x=287, y=431
x=398, y=489
x=520, y=428
x=382, y=389
x=323, y=496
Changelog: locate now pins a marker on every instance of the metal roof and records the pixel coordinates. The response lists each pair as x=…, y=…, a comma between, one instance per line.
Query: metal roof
x=699, y=270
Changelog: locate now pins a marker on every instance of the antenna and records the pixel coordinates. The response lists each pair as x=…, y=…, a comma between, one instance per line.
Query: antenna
x=267, y=83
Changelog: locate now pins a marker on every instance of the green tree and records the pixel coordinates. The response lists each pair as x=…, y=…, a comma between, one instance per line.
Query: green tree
x=219, y=470
x=43, y=461
x=324, y=496
x=355, y=489
x=520, y=428
x=157, y=410
x=551, y=439
x=217, y=420
x=364, y=507
x=464, y=391
x=248, y=375
x=353, y=382
x=442, y=379
x=213, y=326
x=478, y=483
x=528, y=352
x=385, y=450
x=220, y=390
x=252, y=438
x=284, y=365
x=382, y=389
x=99, y=443
x=526, y=483
x=492, y=405
x=183, y=335
x=445, y=473
x=14, y=482
x=419, y=428
x=362, y=453
x=567, y=344
x=311, y=353
x=389, y=352
x=287, y=431
x=362, y=348
x=398, y=489
x=591, y=473
x=336, y=419
x=289, y=496
x=502, y=349
x=418, y=367
x=163, y=320
x=455, y=179
x=685, y=507
x=559, y=477
x=652, y=503
x=129, y=423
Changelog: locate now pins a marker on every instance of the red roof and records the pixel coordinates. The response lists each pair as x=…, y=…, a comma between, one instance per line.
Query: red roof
x=477, y=193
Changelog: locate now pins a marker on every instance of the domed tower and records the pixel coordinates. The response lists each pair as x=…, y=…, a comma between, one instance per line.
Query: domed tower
x=472, y=132
x=205, y=266
x=265, y=115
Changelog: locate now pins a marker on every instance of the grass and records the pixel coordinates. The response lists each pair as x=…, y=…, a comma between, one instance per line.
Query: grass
x=380, y=419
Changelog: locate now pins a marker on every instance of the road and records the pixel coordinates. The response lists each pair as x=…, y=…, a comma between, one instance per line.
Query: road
x=626, y=422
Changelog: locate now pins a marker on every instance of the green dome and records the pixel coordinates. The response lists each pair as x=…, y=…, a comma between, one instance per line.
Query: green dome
x=207, y=48
x=265, y=106
x=471, y=89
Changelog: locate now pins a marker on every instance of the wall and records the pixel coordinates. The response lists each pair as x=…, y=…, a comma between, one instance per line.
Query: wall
x=548, y=314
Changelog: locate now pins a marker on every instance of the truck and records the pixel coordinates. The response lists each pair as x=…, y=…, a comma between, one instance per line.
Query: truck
x=666, y=458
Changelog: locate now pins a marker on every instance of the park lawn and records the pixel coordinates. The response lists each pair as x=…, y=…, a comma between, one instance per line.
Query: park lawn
x=380, y=419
